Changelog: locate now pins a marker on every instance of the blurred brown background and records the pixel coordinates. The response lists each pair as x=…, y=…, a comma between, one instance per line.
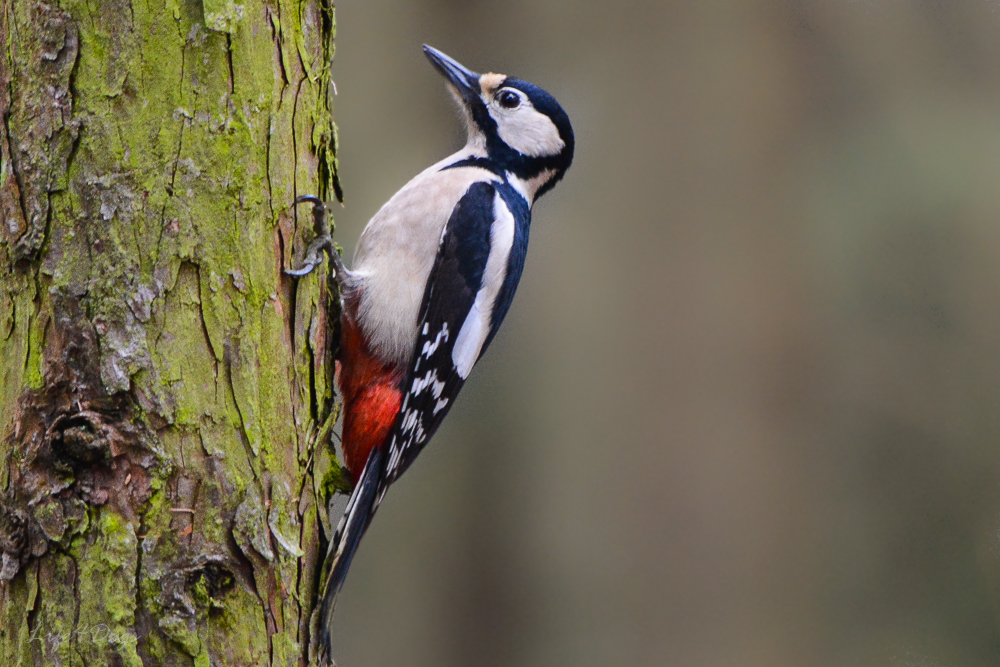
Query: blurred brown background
x=746, y=407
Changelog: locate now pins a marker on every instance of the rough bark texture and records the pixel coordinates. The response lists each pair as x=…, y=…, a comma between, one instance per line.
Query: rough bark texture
x=165, y=391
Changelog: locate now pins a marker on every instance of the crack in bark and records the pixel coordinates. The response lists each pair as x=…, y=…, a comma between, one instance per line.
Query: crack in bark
x=295, y=144
x=177, y=156
x=138, y=613
x=36, y=603
x=267, y=171
x=244, y=435
x=76, y=597
x=303, y=628
x=276, y=36
x=229, y=60
x=204, y=329
x=313, y=391
x=13, y=319
x=191, y=516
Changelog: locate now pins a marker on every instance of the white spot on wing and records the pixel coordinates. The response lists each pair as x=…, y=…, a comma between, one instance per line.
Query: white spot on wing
x=429, y=348
x=476, y=326
x=429, y=380
x=395, y=452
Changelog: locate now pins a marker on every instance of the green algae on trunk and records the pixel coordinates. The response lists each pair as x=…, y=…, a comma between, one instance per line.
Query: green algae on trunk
x=165, y=390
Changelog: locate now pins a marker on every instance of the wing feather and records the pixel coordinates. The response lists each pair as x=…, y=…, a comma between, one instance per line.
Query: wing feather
x=457, y=278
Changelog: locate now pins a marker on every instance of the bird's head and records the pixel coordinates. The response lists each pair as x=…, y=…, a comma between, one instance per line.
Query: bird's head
x=516, y=125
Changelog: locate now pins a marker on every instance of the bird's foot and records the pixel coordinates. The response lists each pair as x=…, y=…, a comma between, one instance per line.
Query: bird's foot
x=314, y=255
x=321, y=242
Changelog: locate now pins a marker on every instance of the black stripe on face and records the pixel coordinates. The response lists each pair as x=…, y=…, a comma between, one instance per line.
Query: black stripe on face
x=510, y=160
x=479, y=163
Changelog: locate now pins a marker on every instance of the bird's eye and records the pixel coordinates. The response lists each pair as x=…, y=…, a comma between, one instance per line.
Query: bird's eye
x=508, y=99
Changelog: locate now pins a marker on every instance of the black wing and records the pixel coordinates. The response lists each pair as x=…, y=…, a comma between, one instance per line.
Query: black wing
x=433, y=381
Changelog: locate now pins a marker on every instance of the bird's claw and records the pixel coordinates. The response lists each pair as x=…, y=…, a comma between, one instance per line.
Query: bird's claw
x=298, y=273
x=314, y=255
x=313, y=199
x=322, y=241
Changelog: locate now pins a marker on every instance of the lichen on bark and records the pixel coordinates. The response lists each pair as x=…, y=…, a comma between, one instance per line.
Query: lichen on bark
x=165, y=390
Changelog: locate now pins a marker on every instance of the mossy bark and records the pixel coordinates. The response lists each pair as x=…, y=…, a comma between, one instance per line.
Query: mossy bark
x=165, y=391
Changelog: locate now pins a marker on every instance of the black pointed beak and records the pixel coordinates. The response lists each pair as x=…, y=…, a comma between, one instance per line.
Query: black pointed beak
x=464, y=80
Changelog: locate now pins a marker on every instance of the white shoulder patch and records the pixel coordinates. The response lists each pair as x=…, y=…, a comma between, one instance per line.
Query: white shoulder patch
x=476, y=326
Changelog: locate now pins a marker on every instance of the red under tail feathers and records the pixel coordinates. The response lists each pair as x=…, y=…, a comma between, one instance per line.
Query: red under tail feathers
x=372, y=395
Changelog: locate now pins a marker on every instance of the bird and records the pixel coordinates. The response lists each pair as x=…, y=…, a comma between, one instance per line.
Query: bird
x=433, y=276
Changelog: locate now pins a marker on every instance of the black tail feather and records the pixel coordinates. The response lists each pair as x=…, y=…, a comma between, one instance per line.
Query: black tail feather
x=358, y=514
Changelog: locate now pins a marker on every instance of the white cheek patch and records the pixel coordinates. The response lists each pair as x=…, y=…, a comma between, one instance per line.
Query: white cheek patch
x=527, y=131
x=476, y=326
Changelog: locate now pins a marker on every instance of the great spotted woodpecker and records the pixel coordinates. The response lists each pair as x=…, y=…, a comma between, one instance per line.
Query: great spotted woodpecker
x=434, y=274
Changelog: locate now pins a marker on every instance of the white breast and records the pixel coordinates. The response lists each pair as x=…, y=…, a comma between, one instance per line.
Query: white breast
x=396, y=253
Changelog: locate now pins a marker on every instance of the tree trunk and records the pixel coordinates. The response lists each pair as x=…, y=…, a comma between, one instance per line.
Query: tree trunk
x=165, y=391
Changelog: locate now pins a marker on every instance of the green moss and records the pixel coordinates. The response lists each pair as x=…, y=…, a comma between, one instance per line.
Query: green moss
x=336, y=480
x=112, y=525
x=199, y=591
x=177, y=629
x=198, y=125
x=125, y=646
x=18, y=294
x=16, y=642
x=105, y=579
x=34, y=366
x=238, y=625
